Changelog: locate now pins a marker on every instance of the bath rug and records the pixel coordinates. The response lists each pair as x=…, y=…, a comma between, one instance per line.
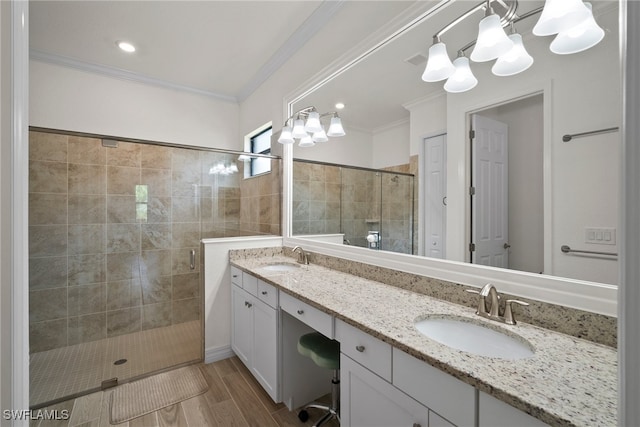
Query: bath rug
x=138, y=398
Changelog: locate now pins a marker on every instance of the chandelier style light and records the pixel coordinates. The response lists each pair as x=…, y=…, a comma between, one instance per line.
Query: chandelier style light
x=311, y=131
x=571, y=20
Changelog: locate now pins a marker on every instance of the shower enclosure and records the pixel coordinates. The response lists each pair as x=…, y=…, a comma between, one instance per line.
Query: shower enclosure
x=115, y=279
x=357, y=202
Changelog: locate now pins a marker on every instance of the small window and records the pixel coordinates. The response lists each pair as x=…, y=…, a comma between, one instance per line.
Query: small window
x=260, y=143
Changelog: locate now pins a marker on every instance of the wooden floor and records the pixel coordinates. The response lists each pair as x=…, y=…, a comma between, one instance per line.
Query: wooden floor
x=234, y=398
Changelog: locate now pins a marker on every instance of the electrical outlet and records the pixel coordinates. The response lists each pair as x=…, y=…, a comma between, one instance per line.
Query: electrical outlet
x=600, y=235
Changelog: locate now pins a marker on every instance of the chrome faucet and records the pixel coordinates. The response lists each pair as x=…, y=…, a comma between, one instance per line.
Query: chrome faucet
x=493, y=313
x=303, y=257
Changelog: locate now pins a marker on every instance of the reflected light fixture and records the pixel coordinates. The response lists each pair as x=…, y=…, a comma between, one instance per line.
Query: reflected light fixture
x=571, y=20
x=581, y=37
x=311, y=131
x=126, y=46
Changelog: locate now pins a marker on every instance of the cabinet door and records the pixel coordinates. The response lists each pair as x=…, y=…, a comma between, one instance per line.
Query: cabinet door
x=242, y=324
x=265, y=347
x=368, y=401
x=495, y=413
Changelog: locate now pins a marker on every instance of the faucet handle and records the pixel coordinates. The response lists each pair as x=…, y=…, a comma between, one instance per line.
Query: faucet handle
x=472, y=291
x=508, y=312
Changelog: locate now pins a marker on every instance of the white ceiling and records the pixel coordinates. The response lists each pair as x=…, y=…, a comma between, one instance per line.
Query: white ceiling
x=224, y=49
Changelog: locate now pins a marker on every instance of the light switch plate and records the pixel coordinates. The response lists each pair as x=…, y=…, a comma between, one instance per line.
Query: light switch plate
x=600, y=235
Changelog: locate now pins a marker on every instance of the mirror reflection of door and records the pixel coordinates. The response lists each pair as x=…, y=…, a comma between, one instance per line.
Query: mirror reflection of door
x=507, y=209
x=435, y=196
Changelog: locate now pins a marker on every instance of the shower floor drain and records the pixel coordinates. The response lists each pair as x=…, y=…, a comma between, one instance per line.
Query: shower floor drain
x=120, y=362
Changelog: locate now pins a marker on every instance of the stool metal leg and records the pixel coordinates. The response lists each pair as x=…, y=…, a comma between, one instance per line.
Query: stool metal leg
x=333, y=411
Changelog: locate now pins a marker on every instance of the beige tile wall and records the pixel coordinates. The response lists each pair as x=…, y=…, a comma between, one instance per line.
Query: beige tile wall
x=107, y=258
x=333, y=199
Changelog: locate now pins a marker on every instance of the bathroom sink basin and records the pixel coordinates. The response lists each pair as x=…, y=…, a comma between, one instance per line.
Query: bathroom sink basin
x=462, y=334
x=280, y=267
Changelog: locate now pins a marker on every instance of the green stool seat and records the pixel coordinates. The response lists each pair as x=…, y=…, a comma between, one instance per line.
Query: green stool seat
x=324, y=351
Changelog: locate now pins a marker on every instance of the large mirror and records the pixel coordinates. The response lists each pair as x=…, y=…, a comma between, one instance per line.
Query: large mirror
x=550, y=208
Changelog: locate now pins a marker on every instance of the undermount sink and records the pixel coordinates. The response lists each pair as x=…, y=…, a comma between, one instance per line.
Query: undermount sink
x=462, y=334
x=280, y=267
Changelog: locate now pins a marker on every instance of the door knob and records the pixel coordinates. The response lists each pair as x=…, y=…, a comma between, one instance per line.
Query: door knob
x=507, y=246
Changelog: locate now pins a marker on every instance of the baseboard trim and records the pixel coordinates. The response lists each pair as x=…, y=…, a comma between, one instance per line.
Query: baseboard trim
x=217, y=353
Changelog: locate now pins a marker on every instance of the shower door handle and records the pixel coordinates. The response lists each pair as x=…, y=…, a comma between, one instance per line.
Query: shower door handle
x=192, y=259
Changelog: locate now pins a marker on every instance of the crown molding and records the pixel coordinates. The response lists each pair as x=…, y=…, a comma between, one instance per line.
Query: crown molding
x=314, y=23
x=397, y=123
x=119, y=73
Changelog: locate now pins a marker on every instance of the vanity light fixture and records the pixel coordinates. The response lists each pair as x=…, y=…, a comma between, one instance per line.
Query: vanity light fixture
x=462, y=79
x=311, y=131
x=571, y=20
x=126, y=46
x=492, y=42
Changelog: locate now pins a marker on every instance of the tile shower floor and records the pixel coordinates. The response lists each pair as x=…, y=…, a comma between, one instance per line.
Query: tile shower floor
x=69, y=370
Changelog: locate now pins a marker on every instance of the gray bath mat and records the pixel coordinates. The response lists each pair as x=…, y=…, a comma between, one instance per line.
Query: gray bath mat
x=147, y=395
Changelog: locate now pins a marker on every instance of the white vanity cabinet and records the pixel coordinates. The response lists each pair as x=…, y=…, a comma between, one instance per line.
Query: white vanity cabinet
x=495, y=413
x=254, y=328
x=369, y=394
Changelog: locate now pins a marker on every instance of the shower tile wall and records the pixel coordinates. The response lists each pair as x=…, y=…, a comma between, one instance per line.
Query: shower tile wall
x=398, y=213
x=261, y=201
x=322, y=194
x=110, y=235
x=316, y=198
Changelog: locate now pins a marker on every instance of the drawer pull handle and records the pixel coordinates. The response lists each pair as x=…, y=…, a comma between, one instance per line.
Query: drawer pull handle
x=416, y=424
x=248, y=304
x=234, y=276
x=360, y=348
x=264, y=292
x=300, y=312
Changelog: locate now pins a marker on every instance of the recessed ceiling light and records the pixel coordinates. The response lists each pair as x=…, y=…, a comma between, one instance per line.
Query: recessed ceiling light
x=339, y=105
x=126, y=46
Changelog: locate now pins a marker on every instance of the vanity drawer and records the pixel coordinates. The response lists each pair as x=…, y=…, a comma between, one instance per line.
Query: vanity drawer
x=268, y=293
x=370, y=352
x=250, y=284
x=318, y=320
x=434, y=389
x=236, y=276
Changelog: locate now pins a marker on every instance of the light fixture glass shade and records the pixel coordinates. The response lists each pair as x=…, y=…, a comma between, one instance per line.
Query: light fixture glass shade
x=320, y=136
x=463, y=79
x=313, y=122
x=335, y=128
x=560, y=15
x=492, y=41
x=581, y=37
x=285, y=136
x=515, y=61
x=306, y=142
x=298, y=129
x=439, y=66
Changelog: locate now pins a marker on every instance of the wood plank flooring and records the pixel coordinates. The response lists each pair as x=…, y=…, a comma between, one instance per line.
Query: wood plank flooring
x=234, y=398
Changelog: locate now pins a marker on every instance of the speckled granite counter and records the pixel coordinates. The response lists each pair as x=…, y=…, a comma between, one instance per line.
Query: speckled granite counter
x=568, y=382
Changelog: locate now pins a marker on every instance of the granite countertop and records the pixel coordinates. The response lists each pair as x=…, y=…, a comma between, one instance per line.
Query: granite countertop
x=568, y=382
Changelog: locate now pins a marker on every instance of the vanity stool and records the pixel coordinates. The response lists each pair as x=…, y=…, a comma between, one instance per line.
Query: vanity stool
x=325, y=353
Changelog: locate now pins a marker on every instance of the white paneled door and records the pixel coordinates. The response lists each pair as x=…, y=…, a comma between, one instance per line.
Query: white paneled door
x=489, y=200
x=435, y=196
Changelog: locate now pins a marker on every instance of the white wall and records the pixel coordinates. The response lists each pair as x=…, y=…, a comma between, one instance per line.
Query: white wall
x=390, y=145
x=582, y=93
x=75, y=100
x=5, y=224
x=427, y=117
x=355, y=148
x=217, y=299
